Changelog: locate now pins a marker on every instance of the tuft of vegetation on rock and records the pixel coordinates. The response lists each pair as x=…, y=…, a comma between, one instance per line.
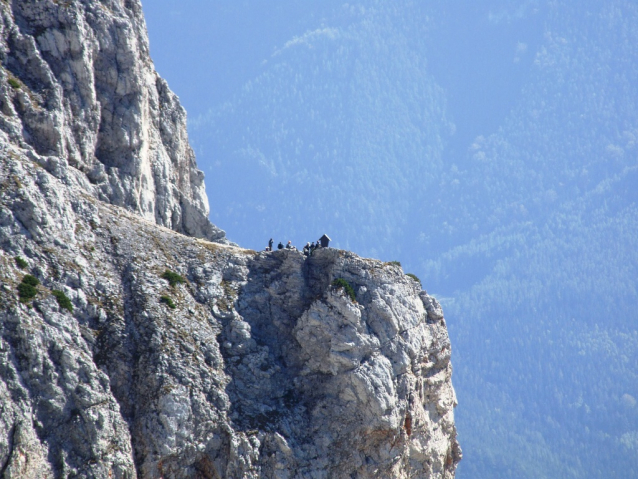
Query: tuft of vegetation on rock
x=63, y=300
x=30, y=280
x=342, y=283
x=394, y=263
x=15, y=84
x=27, y=288
x=172, y=277
x=26, y=292
x=21, y=263
x=414, y=277
x=167, y=301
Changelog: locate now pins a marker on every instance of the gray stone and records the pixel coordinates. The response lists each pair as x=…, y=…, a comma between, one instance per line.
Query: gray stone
x=79, y=89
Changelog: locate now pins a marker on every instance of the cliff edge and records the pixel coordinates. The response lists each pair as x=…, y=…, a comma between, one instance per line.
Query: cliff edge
x=79, y=95
x=135, y=341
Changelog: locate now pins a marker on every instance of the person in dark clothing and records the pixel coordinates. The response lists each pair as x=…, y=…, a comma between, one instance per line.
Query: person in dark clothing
x=289, y=245
x=306, y=249
x=270, y=242
x=318, y=244
x=280, y=245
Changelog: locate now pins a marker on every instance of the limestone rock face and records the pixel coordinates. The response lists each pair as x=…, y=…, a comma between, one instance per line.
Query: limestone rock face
x=263, y=368
x=238, y=364
x=78, y=89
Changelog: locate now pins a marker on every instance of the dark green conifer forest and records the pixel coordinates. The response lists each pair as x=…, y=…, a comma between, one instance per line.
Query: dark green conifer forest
x=490, y=147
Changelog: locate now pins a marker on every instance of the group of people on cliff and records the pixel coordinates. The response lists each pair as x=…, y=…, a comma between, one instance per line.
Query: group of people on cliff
x=307, y=249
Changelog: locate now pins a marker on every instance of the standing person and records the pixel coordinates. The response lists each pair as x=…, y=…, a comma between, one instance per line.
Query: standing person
x=270, y=243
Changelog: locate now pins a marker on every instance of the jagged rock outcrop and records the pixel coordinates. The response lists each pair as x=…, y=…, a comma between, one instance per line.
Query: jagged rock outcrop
x=78, y=89
x=262, y=369
x=254, y=366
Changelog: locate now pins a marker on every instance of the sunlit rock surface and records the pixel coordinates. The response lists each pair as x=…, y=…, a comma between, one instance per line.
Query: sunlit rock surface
x=78, y=89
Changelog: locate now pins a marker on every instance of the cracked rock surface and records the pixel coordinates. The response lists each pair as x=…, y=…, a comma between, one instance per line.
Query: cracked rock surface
x=244, y=364
x=78, y=90
x=261, y=369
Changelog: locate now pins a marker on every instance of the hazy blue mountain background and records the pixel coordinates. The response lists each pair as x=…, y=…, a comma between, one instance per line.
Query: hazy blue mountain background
x=491, y=147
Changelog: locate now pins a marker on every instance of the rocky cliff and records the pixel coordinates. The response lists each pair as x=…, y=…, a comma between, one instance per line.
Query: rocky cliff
x=78, y=89
x=135, y=341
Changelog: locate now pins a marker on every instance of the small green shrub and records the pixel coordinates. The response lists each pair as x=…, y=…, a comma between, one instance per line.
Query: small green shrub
x=394, y=263
x=167, y=301
x=414, y=277
x=15, y=84
x=27, y=288
x=173, y=278
x=63, y=301
x=30, y=280
x=26, y=292
x=20, y=263
x=342, y=283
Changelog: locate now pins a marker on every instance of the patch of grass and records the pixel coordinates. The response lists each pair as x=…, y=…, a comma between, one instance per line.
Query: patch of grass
x=15, y=84
x=342, y=283
x=414, y=277
x=63, y=301
x=173, y=278
x=21, y=263
x=394, y=263
x=167, y=301
x=212, y=247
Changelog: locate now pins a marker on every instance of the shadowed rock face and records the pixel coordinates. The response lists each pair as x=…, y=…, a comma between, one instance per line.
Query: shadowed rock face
x=254, y=366
x=78, y=88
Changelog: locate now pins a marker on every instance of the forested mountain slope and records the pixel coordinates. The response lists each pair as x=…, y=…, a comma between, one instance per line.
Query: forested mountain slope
x=328, y=138
x=490, y=148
